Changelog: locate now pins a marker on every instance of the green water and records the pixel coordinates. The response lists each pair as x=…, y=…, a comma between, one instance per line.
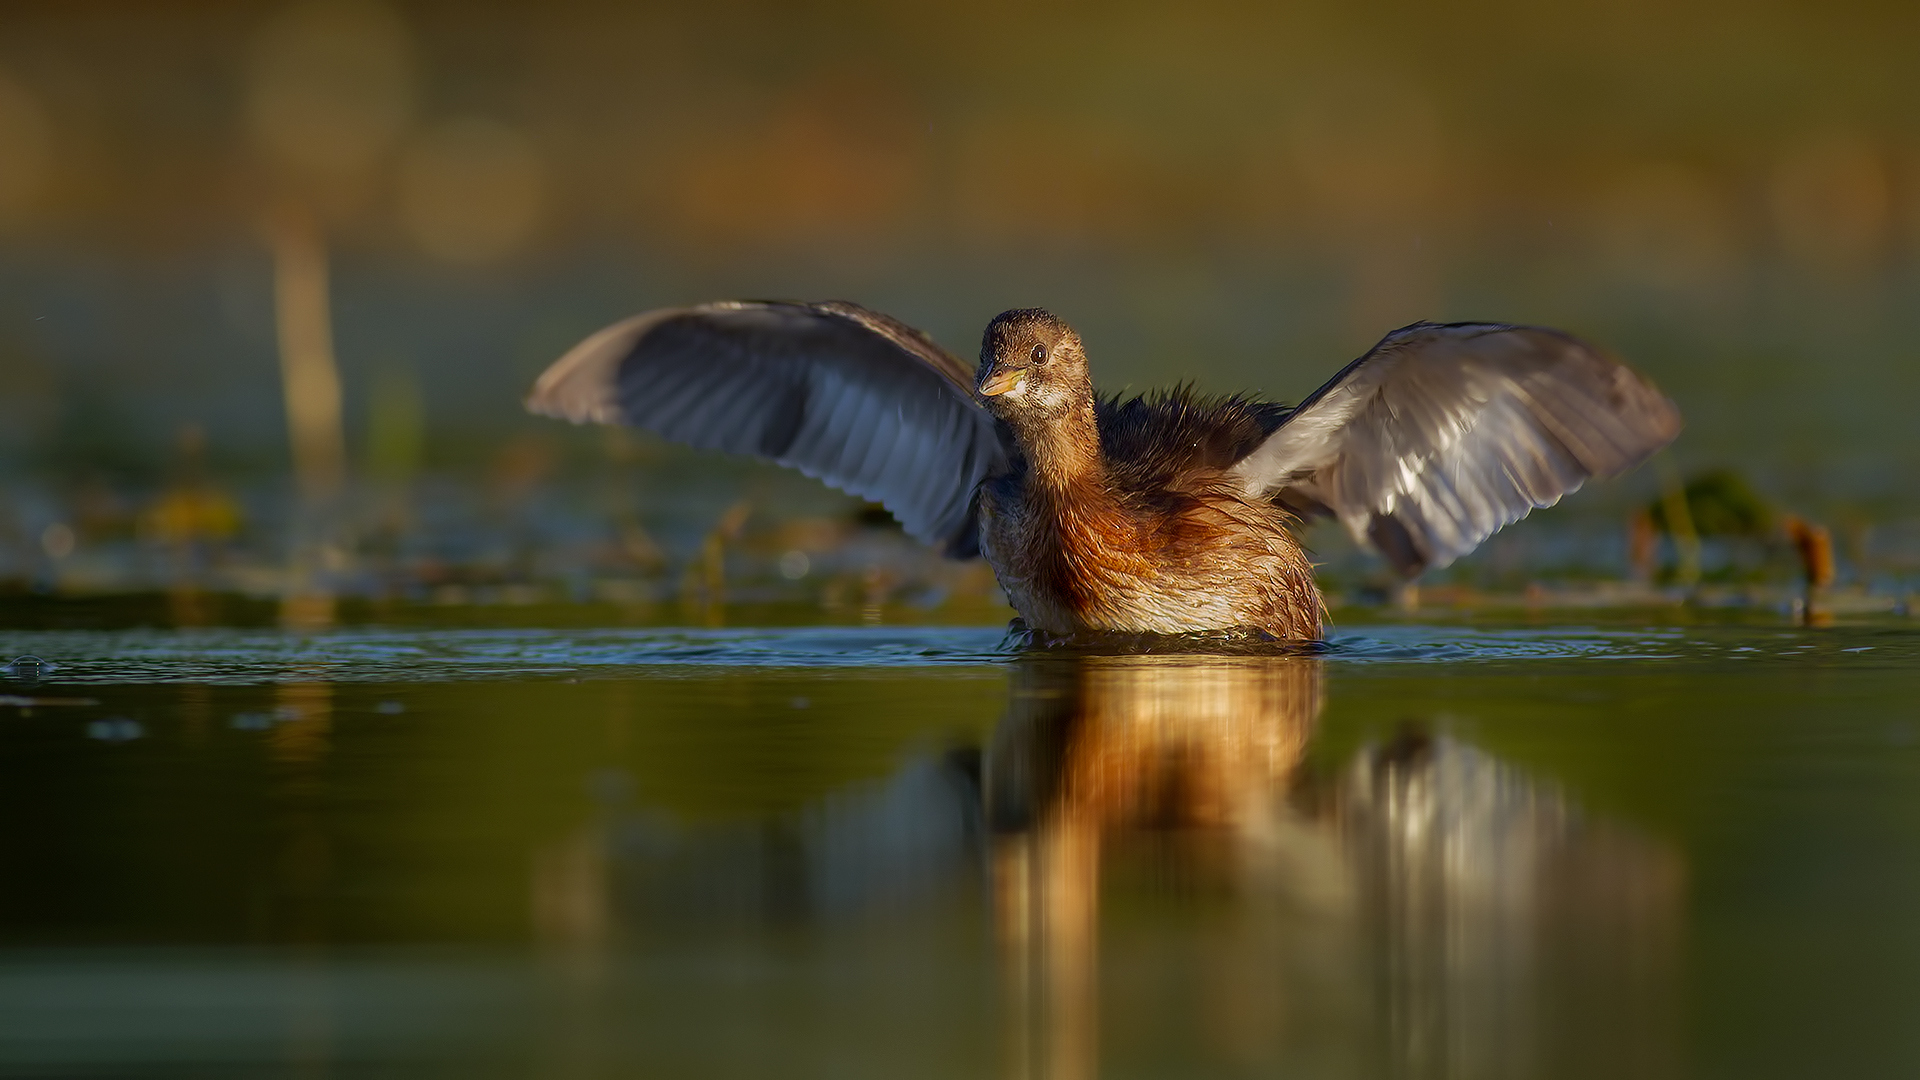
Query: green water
x=845, y=852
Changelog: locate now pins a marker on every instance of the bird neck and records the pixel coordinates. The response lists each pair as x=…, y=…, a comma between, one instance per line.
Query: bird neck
x=1064, y=451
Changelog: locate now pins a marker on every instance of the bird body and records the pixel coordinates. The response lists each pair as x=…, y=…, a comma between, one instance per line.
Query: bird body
x=1162, y=514
x=1149, y=534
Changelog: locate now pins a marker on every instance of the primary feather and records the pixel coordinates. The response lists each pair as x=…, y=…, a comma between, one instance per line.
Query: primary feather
x=843, y=394
x=1442, y=434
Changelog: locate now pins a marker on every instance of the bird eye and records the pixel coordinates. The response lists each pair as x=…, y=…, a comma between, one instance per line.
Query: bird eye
x=1039, y=353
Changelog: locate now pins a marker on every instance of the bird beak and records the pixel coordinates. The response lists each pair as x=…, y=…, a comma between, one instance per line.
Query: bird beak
x=1003, y=381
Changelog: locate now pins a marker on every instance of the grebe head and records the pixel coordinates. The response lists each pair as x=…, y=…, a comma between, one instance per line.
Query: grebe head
x=1032, y=367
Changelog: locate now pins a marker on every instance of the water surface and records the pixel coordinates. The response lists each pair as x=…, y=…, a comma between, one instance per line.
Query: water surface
x=1430, y=850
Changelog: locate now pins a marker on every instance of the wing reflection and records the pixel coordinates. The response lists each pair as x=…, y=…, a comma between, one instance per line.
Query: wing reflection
x=1460, y=916
x=1507, y=925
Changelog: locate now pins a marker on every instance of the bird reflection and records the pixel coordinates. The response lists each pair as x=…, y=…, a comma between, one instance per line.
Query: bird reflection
x=1443, y=912
x=1098, y=746
x=1464, y=893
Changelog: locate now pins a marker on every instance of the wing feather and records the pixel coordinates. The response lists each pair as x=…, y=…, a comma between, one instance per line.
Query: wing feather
x=846, y=395
x=1444, y=434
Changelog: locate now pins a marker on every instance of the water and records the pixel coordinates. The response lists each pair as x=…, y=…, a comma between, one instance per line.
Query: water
x=1431, y=850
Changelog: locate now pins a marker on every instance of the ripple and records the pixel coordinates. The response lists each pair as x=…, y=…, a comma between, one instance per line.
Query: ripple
x=249, y=657
x=242, y=657
x=1716, y=645
x=1452, y=645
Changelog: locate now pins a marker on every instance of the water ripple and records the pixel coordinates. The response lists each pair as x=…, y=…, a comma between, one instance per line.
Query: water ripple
x=255, y=656
x=240, y=657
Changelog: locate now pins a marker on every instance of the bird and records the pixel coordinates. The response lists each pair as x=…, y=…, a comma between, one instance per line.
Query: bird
x=1166, y=513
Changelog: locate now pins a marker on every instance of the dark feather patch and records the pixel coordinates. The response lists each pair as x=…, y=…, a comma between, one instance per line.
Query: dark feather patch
x=1161, y=439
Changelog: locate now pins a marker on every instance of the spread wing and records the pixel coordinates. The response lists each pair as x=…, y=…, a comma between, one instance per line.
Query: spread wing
x=846, y=395
x=1441, y=435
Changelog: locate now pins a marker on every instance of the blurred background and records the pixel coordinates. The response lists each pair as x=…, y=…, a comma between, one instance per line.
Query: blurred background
x=274, y=277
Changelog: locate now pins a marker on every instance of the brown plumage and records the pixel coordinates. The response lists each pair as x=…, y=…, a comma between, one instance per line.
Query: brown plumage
x=1165, y=514
x=1121, y=517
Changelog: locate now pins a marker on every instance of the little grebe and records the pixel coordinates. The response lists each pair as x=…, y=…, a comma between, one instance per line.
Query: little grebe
x=1162, y=514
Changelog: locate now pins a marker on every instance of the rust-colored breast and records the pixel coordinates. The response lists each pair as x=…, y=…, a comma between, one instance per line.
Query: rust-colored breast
x=1095, y=560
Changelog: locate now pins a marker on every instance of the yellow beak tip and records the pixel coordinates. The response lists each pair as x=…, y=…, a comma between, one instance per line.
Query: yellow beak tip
x=1001, y=382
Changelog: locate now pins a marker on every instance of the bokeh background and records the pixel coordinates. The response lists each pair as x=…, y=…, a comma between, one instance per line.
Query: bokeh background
x=274, y=277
